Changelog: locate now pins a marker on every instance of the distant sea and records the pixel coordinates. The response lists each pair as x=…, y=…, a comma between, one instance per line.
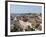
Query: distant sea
x=22, y=14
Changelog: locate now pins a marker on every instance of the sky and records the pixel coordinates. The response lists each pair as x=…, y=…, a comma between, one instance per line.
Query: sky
x=25, y=9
